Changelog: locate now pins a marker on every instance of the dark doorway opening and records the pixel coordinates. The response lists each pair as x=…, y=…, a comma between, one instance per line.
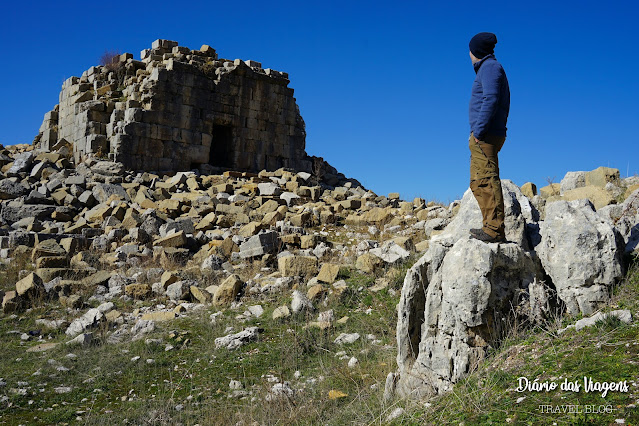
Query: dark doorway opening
x=221, y=150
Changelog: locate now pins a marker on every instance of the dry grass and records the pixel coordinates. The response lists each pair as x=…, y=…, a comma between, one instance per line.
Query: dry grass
x=15, y=269
x=190, y=384
x=110, y=59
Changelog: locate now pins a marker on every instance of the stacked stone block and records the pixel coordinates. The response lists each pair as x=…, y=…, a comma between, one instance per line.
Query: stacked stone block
x=179, y=109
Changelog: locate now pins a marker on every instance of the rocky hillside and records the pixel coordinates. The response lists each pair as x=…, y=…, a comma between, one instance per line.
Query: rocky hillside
x=284, y=284
x=461, y=297
x=97, y=226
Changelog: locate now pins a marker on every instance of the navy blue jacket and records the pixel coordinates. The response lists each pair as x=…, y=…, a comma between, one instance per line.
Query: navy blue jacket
x=489, y=100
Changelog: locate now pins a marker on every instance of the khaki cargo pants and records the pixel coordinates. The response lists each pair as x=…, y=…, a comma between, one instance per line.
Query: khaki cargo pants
x=485, y=183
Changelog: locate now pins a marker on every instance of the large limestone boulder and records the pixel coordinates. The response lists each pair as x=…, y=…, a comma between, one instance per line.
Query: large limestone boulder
x=626, y=221
x=580, y=251
x=455, y=296
x=520, y=218
x=601, y=176
x=573, y=180
x=598, y=196
x=451, y=310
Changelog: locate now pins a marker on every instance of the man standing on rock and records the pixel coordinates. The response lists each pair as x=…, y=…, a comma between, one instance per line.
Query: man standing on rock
x=488, y=113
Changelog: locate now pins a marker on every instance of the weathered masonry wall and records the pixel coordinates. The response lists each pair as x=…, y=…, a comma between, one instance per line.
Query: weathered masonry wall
x=179, y=109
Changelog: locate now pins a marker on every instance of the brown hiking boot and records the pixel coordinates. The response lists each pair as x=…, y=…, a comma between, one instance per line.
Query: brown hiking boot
x=474, y=232
x=481, y=235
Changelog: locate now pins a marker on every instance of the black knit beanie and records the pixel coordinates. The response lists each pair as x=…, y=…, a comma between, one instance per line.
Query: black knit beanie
x=482, y=44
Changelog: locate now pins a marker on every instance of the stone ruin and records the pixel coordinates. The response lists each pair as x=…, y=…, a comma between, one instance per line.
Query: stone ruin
x=179, y=109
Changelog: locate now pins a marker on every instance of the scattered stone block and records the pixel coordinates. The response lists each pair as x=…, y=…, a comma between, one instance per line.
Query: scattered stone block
x=328, y=273
x=250, y=229
x=302, y=266
x=138, y=291
x=368, y=263
x=339, y=289
x=291, y=239
x=281, y=312
x=379, y=216
x=10, y=302
x=422, y=246
x=572, y=180
x=159, y=316
x=270, y=188
x=623, y=315
x=351, y=204
x=301, y=219
x=309, y=241
x=300, y=303
x=73, y=301
x=259, y=245
x=42, y=347
x=256, y=310
x=200, y=295
x=227, y=291
x=30, y=286
x=168, y=278
x=347, y=338
x=234, y=341
x=52, y=262
x=83, y=339
x=112, y=316
x=10, y=189
x=177, y=239
x=179, y=290
x=90, y=319
x=315, y=292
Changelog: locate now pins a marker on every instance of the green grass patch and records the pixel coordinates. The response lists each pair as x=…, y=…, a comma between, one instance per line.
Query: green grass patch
x=141, y=382
x=607, y=352
x=189, y=384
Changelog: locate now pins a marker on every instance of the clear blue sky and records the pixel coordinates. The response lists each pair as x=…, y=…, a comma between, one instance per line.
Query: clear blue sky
x=383, y=86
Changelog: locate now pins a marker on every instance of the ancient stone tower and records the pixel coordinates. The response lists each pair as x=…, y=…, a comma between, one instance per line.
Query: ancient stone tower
x=179, y=109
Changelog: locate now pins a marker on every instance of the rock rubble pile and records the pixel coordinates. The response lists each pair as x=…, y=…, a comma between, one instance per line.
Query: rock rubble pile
x=95, y=232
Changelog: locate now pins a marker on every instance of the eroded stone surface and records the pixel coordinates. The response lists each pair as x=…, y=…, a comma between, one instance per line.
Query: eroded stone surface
x=234, y=341
x=451, y=308
x=582, y=254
